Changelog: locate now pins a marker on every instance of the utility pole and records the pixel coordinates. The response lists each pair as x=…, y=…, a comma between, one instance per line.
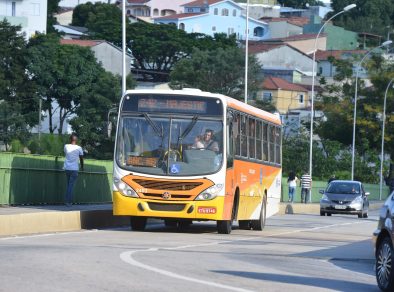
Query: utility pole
x=39, y=125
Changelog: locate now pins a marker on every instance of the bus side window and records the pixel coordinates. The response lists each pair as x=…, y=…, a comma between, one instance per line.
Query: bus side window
x=244, y=140
x=271, y=137
x=277, y=145
x=265, y=142
x=251, y=138
x=230, y=144
x=258, y=140
x=236, y=133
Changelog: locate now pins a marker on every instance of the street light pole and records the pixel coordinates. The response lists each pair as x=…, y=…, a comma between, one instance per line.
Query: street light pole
x=347, y=8
x=385, y=44
x=246, y=51
x=382, y=147
x=123, y=47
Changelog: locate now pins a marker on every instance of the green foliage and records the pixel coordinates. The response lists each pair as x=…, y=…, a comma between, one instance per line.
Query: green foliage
x=53, y=7
x=18, y=102
x=371, y=16
x=300, y=3
x=219, y=71
x=16, y=146
x=265, y=105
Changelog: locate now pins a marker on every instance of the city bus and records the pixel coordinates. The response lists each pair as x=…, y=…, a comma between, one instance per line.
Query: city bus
x=188, y=155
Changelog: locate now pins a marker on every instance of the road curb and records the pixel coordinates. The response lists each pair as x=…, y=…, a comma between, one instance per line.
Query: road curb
x=58, y=221
x=298, y=208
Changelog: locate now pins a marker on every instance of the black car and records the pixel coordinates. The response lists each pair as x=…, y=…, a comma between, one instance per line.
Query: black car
x=344, y=197
x=384, y=240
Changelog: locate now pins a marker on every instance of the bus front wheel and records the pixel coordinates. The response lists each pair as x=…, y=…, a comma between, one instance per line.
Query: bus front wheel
x=224, y=226
x=138, y=223
x=260, y=223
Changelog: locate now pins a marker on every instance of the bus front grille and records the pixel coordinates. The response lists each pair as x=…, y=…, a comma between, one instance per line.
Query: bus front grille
x=167, y=185
x=166, y=207
x=160, y=196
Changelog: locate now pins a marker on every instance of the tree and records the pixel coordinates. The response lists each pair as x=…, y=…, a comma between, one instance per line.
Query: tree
x=65, y=75
x=371, y=16
x=53, y=7
x=300, y=3
x=18, y=100
x=220, y=71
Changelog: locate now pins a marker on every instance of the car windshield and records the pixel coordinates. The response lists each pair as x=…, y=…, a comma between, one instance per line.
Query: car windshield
x=343, y=188
x=170, y=146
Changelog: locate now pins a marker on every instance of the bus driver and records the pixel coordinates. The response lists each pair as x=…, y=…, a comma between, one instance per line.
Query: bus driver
x=208, y=142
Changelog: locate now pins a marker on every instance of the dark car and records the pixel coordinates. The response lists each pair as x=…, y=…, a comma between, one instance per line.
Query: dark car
x=344, y=197
x=384, y=240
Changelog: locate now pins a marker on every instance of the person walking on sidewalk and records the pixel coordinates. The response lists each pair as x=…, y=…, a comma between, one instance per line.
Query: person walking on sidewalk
x=73, y=153
x=292, y=182
x=306, y=185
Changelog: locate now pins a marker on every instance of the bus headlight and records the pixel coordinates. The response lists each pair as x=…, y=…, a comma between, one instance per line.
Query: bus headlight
x=125, y=189
x=210, y=193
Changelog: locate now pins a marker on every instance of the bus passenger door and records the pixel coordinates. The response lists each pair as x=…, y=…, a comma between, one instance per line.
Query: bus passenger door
x=230, y=182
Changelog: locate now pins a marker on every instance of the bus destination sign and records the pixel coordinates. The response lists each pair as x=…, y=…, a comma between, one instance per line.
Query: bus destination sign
x=172, y=105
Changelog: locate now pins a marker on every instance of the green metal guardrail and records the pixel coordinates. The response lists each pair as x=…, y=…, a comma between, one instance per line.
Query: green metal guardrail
x=33, y=179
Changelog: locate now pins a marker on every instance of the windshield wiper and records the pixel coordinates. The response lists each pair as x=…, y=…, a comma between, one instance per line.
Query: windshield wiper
x=159, y=131
x=188, y=129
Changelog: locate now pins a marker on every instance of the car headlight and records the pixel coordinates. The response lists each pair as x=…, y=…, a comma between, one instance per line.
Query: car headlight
x=124, y=188
x=325, y=198
x=210, y=193
x=357, y=200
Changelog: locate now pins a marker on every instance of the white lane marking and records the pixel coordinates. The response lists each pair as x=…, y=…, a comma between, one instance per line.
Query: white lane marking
x=47, y=234
x=128, y=256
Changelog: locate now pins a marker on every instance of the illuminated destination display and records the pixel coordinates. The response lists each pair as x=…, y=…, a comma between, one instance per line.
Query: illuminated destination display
x=173, y=105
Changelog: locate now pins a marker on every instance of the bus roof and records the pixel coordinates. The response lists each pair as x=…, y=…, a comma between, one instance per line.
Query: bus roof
x=230, y=102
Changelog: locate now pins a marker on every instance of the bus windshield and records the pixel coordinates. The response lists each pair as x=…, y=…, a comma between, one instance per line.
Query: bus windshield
x=181, y=146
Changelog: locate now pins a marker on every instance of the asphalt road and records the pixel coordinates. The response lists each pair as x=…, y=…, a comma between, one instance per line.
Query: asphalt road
x=293, y=253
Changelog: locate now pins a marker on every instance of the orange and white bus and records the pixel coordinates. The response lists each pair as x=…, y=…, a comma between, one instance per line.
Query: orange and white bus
x=187, y=155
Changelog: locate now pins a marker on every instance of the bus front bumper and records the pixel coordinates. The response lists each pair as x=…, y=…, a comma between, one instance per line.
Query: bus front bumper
x=196, y=210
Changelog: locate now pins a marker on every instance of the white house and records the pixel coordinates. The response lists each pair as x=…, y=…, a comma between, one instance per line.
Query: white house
x=154, y=8
x=31, y=15
x=216, y=16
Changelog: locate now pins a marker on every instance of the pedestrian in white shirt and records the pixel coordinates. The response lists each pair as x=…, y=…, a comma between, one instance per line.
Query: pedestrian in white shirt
x=292, y=182
x=74, y=154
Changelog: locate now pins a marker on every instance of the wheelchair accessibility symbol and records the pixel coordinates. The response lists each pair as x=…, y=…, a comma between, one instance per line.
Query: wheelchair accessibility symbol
x=174, y=168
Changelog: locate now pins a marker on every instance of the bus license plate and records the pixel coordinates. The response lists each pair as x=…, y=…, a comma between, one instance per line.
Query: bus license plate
x=340, y=207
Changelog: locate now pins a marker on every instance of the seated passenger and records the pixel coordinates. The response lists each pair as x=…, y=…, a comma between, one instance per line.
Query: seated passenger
x=198, y=144
x=209, y=142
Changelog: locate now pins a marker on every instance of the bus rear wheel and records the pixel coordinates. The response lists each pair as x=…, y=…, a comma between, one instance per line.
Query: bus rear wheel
x=138, y=223
x=260, y=223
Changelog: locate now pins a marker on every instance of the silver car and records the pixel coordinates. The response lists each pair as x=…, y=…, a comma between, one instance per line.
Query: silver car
x=344, y=197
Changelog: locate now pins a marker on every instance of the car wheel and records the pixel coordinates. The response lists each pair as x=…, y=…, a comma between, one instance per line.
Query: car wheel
x=138, y=223
x=360, y=215
x=329, y=214
x=322, y=213
x=384, y=268
x=244, y=224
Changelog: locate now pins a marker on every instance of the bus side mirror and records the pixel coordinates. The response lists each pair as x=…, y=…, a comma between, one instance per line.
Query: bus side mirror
x=109, y=129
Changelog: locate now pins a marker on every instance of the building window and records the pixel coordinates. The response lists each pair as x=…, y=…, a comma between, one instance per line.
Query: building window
x=234, y=12
x=35, y=9
x=202, y=10
x=155, y=12
x=258, y=31
x=128, y=12
x=215, y=11
x=182, y=26
x=267, y=96
x=301, y=98
x=230, y=31
x=224, y=12
x=190, y=10
x=213, y=28
x=13, y=7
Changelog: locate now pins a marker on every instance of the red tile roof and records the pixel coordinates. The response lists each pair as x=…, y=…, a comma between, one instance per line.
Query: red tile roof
x=137, y=1
x=259, y=47
x=336, y=54
x=82, y=43
x=275, y=83
x=198, y=3
x=298, y=21
x=297, y=37
x=178, y=16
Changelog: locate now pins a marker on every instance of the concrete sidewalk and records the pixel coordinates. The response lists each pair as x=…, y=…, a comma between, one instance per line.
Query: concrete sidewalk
x=46, y=218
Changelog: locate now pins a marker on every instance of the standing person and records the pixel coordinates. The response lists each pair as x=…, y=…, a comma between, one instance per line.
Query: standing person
x=73, y=153
x=292, y=182
x=332, y=178
x=306, y=185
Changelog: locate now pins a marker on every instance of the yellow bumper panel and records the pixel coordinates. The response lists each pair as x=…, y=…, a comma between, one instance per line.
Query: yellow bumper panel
x=204, y=210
